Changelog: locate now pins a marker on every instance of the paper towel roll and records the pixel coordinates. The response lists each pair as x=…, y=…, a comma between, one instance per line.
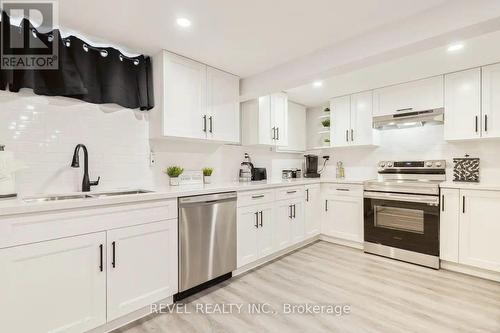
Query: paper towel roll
x=8, y=167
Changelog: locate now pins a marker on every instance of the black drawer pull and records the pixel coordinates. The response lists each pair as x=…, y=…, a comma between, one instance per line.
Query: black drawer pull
x=257, y=196
x=113, y=262
x=442, y=203
x=101, y=266
x=261, y=214
x=342, y=189
x=291, y=192
x=463, y=204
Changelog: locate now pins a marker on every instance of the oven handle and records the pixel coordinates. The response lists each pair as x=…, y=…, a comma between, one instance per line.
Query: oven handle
x=426, y=199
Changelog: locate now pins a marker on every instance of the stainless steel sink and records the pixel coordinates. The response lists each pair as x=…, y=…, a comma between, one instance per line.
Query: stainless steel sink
x=83, y=196
x=57, y=198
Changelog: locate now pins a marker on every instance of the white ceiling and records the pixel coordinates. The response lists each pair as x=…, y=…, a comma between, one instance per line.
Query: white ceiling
x=240, y=36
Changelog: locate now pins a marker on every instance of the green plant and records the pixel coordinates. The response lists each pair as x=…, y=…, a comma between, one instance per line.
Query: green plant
x=174, y=171
x=207, y=171
x=326, y=110
x=326, y=123
x=327, y=140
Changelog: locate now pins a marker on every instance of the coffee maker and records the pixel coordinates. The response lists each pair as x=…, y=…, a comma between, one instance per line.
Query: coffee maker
x=311, y=170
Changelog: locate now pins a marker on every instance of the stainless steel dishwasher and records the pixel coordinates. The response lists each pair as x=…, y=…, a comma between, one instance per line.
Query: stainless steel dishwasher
x=207, y=241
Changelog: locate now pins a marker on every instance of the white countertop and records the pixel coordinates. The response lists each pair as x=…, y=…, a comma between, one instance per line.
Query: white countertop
x=18, y=206
x=471, y=186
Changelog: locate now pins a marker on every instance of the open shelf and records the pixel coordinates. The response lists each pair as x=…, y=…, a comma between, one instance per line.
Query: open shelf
x=324, y=131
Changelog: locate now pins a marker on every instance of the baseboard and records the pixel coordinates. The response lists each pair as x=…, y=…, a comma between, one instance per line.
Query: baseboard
x=130, y=318
x=469, y=270
x=339, y=241
x=275, y=255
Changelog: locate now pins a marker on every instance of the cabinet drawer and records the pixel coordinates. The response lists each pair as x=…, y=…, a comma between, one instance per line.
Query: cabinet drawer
x=290, y=193
x=343, y=189
x=255, y=197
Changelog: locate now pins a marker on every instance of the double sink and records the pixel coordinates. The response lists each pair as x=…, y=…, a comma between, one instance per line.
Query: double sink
x=83, y=196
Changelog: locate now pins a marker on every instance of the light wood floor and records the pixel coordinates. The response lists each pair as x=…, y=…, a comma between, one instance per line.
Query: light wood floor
x=384, y=295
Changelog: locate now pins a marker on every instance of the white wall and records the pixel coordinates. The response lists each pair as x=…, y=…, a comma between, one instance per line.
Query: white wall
x=415, y=144
x=43, y=132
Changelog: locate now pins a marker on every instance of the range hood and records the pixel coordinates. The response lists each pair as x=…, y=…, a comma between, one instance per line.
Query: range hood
x=409, y=119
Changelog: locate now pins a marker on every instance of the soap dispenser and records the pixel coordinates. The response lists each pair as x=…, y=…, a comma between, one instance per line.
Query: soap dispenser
x=340, y=170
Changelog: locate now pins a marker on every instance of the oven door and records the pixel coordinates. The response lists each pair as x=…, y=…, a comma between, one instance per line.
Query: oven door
x=405, y=221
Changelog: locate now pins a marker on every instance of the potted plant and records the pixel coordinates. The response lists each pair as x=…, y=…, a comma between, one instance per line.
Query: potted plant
x=327, y=140
x=326, y=123
x=174, y=172
x=207, y=175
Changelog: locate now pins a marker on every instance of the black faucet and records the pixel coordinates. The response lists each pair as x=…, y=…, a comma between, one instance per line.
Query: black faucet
x=86, y=183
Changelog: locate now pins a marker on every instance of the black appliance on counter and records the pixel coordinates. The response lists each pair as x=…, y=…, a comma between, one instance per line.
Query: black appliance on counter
x=259, y=174
x=311, y=170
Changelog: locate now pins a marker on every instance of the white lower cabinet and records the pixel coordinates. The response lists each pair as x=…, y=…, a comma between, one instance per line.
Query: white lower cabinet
x=255, y=233
x=282, y=227
x=480, y=229
x=54, y=286
x=343, y=217
x=449, y=224
x=312, y=210
x=141, y=266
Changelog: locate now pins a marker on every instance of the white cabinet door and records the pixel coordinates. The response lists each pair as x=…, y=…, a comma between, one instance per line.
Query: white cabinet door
x=297, y=129
x=340, y=121
x=312, y=210
x=361, y=132
x=279, y=118
x=449, y=224
x=184, y=97
x=248, y=224
x=54, y=286
x=282, y=227
x=417, y=95
x=491, y=101
x=462, y=117
x=267, y=130
x=223, y=105
x=480, y=229
x=344, y=218
x=298, y=225
x=265, y=231
x=142, y=266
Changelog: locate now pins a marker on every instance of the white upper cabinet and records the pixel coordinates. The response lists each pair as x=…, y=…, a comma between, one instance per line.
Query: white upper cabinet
x=265, y=121
x=462, y=118
x=297, y=129
x=351, y=120
x=491, y=101
x=194, y=101
x=425, y=94
x=223, y=106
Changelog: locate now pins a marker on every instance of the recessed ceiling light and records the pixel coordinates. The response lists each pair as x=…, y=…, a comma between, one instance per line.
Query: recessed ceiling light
x=317, y=83
x=183, y=22
x=455, y=47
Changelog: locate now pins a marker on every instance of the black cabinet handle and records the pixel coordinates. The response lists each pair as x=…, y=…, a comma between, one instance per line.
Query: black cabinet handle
x=463, y=204
x=291, y=192
x=486, y=123
x=277, y=133
x=352, y=134
x=442, y=203
x=210, y=119
x=274, y=133
x=290, y=215
x=405, y=109
x=256, y=220
x=204, y=123
x=101, y=267
x=347, y=135
x=326, y=205
x=113, y=262
x=261, y=214
x=476, y=124
x=294, y=211
x=307, y=195
x=257, y=196
x=342, y=189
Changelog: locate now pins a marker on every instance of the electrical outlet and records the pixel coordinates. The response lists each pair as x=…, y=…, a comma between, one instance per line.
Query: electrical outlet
x=152, y=158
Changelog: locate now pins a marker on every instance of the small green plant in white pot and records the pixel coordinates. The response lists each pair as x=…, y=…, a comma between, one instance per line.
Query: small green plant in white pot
x=174, y=172
x=207, y=175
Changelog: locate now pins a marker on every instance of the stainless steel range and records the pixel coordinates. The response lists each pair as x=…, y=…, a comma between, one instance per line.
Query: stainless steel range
x=401, y=211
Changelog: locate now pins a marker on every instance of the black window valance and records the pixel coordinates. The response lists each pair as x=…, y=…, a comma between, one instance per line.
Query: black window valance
x=93, y=74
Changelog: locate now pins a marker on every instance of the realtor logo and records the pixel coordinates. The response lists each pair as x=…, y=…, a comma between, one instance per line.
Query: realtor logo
x=29, y=41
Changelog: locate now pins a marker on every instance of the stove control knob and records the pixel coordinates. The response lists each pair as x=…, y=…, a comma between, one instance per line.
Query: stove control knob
x=389, y=165
x=438, y=164
x=382, y=164
x=428, y=164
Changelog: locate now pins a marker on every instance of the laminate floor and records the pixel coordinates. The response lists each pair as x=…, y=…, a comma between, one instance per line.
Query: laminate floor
x=383, y=295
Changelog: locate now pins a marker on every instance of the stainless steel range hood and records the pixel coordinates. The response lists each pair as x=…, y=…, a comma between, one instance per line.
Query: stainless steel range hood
x=409, y=119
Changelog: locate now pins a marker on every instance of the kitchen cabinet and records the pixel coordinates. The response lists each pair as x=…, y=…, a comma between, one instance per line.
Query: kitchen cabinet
x=265, y=121
x=420, y=95
x=462, y=119
x=312, y=210
x=296, y=128
x=223, y=107
x=194, y=101
x=283, y=228
x=54, y=286
x=343, y=217
x=449, y=225
x=351, y=120
x=141, y=266
x=254, y=233
x=490, y=89
x=479, y=229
